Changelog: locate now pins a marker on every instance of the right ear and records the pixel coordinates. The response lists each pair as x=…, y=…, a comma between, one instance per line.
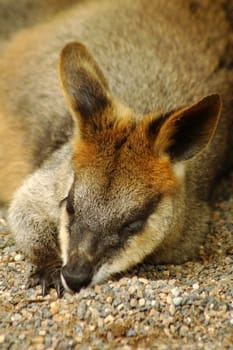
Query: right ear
x=84, y=87
x=186, y=132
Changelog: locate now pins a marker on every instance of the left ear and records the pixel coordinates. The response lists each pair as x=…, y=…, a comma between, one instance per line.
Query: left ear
x=84, y=86
x=186, y=132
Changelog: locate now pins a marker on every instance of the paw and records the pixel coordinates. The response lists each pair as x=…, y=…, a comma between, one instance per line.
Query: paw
x=47, y=277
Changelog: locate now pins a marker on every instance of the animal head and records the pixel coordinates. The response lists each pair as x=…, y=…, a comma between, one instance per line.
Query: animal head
x=128, y=173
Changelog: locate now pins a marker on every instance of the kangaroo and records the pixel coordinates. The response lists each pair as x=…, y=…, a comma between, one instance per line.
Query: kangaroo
x=111, y=161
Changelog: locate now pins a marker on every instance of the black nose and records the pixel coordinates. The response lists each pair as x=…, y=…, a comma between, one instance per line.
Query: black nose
x=75, y=277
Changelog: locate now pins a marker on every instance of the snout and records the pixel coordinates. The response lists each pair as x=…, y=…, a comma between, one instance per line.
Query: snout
x=74, y=277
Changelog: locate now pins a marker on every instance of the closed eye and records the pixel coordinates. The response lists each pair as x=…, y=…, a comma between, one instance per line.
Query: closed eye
x=133, y=227
x=138, y=224
x=69, y=207
x=70, y=202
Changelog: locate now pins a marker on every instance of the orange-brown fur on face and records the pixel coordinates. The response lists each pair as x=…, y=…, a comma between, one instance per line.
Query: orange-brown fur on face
x=125, y=151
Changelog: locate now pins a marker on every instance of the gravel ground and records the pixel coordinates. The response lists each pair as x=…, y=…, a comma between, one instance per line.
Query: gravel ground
x=164, y=307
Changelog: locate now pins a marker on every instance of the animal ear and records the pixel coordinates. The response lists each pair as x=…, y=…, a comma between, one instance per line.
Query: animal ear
x=84, y=86
x=186, y=132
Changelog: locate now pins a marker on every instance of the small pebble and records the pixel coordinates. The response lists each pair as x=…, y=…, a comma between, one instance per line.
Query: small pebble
x=196, y=286
x=109, y=319
x=54, y=307
x=175, y=292
x=97, y=289
x=18, y=257
x=141, y=302
x=172, y=309
x=22, y=336
x=177, y=301
x=133, y=302
x=42, y=332
x=37, y=340
x=143, y=280
x=131, y=290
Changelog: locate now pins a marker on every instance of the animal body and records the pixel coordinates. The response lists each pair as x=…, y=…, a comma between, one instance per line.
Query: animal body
x=110, y=161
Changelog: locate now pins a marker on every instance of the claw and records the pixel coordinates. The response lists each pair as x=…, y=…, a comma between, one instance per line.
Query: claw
x=44, y=288
x=59, y=289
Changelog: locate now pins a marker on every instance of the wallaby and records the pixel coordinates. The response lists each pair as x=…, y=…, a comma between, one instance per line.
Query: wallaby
x=119, y=170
